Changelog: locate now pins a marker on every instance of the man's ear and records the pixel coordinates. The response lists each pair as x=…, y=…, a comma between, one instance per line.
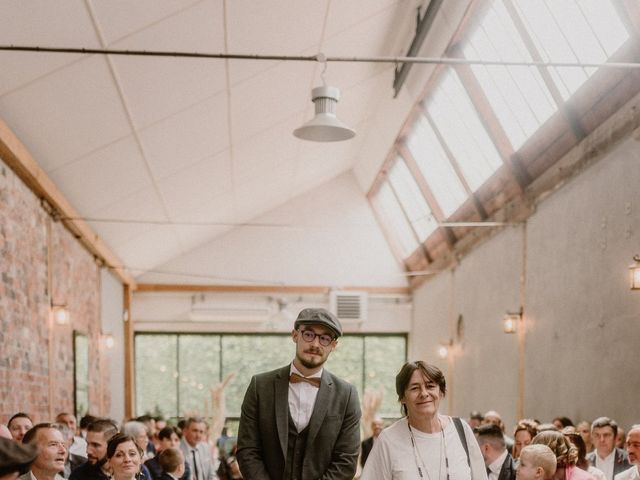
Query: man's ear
x=294, y=335
x=539, y=472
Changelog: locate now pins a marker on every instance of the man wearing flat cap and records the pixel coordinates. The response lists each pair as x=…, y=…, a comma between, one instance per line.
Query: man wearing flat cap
x=300, y=421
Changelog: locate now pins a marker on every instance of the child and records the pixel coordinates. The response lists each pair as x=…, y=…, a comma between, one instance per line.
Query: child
x=537, y=462
x=172, y=464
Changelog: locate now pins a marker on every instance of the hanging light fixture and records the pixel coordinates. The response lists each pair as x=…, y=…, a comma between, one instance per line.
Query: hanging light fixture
x=511, y=321
x=324, y=126
x=60, y=313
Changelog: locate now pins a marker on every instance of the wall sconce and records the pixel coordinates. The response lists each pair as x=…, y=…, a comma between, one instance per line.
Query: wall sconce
x=108, y=340
x=635, y=273
x=445, y=349
x=510, y=322
x=60, y=314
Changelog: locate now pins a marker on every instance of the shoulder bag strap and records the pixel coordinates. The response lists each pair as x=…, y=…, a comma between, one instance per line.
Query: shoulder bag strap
x=463, y=438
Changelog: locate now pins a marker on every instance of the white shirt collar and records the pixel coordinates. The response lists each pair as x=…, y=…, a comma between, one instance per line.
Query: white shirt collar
x=293, y=369
x=496, y=465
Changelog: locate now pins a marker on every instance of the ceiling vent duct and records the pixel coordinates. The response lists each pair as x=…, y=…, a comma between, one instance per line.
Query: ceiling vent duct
x=349, y=306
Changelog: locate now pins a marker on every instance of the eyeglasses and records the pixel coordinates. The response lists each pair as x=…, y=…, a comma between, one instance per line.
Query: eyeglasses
x=309, y=336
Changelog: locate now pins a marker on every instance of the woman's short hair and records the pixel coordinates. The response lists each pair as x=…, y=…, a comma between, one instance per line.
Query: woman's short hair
x=541, y=456
x=566, y=453
x=431, y=372
x=116, y=440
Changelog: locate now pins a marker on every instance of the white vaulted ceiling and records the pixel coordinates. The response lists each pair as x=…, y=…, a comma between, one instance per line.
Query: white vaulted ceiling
x=181, y=150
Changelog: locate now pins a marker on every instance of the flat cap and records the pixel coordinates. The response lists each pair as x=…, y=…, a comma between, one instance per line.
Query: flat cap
x=319, y=316
x=16, y=457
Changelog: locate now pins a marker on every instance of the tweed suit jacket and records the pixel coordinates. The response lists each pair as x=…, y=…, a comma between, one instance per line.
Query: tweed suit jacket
x=334, y=429
x=620, y=462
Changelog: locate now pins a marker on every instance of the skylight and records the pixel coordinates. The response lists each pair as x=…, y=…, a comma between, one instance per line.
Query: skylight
x=436, y=167
x=517, y=94
x=457, y=121
x=588, y=31
x=412, y=200
x=387, y=205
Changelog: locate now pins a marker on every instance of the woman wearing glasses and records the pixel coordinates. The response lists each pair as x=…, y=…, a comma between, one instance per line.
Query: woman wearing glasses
x=424, y=445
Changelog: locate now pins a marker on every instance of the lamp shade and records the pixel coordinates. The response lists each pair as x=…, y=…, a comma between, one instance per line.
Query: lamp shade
x=324, y=126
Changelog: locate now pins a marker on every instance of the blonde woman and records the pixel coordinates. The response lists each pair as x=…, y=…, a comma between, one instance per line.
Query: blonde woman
x=566, y=455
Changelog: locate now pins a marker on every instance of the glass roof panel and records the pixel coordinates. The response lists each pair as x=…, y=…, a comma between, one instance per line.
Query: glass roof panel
x=397, y=226
x=436, y=167
x=570, y=31
x=412, y=200
x=457, y=121
x=517, y=95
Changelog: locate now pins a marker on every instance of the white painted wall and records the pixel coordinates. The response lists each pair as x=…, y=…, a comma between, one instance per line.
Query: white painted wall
x=583, y=322
x=112, y=298
x=327, y=237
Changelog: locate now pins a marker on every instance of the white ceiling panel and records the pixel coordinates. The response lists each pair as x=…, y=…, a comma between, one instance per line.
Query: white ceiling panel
x=157, y=244
x=187, y=137
x=346, y=14
x=104, y=176
x=67, y=114
x=269, y=98
x=121, y=18
x=197, y=185
x=287, y=27
x=158, y=87
x=266, y=150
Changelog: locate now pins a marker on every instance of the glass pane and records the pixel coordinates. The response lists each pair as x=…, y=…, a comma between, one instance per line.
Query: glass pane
x=81, y=373
x=436, y=167
x=384, y=355
x=199, y=368
x=569, y=31
x=346, y=361
x=517, y=95
x=156, y=374
x=412, y=200
x=387, y=206
x=247, y=355
x=457, y=121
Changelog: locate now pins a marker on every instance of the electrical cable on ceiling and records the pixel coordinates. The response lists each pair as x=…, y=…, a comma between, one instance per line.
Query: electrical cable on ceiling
x=315, y=58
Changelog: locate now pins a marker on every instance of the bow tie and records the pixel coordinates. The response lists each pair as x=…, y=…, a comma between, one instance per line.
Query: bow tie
x=295, y=378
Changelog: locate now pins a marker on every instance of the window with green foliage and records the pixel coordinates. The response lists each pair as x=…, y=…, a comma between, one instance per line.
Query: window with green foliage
x=175, y=372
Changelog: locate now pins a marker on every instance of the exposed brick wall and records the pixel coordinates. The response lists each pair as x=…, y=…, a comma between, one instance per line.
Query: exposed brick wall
x=28, y=339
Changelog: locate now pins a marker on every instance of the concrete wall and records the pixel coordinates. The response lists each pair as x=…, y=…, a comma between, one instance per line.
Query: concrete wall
x=582, y=321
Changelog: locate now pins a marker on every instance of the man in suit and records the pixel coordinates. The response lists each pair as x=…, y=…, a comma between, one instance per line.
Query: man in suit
x=606, y=456
x=196, y=450
x=377, y=425
x=99, y=432
x=633, y=449
x=301, y=421
x=499, y=463
x=52, y=452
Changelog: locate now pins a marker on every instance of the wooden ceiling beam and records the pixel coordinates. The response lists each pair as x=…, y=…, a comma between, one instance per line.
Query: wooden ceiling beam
x=16, y=156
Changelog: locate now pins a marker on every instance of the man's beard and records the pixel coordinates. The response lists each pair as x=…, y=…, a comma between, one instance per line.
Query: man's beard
x=311, y=363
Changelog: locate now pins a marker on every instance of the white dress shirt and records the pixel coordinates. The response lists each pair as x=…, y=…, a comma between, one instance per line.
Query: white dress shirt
x=496, y=466
x=302, y=399
x=606, y=464
x=629, y=474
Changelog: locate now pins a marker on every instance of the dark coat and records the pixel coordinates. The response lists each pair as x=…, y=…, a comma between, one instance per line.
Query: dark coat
x=620, y=463
x=508, y=469
x=334, y=429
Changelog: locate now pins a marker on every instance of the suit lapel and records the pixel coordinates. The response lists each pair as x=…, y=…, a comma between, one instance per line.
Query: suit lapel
x=320, y=408
x=282, y=406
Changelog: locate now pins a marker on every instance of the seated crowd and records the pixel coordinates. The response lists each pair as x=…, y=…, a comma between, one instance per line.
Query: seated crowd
x=99, y=449
x=149, y=449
